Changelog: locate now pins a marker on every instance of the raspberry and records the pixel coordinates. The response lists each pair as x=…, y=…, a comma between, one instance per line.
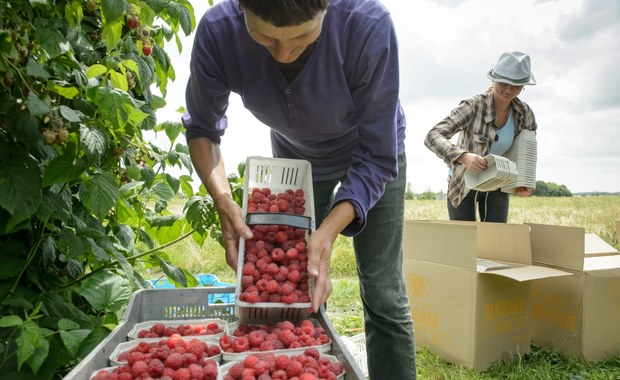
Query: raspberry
x=248, y=268
x=308, y=376
x=281, y=237
x=195, y=371
x=255, y=339
x=209, y=371
x=156, y=367
x=252, y=297
x=283, y=205
x=181, y=374
x=282, y=361
x=287, y=288
x=241, y=344
x=299, y=193
x=174, y=361
x=278, y=255
x=335, y=368
x=292, y=253
x=213, y=350
x=225, y=342
x=312, y=352
x=294, y=368
x=287, y=337
x=138, y=368
x=294, y=276
x=272, y=286
x=250, y=361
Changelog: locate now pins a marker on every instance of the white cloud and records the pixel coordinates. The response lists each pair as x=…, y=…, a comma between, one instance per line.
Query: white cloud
x=446, y=48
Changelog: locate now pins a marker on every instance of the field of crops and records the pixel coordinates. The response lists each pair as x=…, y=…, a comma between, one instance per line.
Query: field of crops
x=595, y=214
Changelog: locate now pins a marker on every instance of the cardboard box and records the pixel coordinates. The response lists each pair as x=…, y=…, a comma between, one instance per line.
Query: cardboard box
x=464, y=312
x=579, y=314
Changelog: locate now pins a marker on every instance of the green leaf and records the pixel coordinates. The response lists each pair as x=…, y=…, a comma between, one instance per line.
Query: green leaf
x=131, y=65
x=28, y=340
x=99, y=252
x=71, y=114
x=106, y=291
x=51, y=40
x=186, y=186
x=92, y=340
x=33, y=69
x=37, y=106
x=93, y=140
x=39, y=355
x=64, y=168
x=68, y=92
x=113, y=9
x=74, y=13
x=22, y=125
x=71, y=341
x=119, y=80
x=20, y=188
x=112, y=33
x=100, y=194
x=67, y=324
x=96, y=70
x=163, y=191
x=116, y=104
x=172, y=272
x=11, y=321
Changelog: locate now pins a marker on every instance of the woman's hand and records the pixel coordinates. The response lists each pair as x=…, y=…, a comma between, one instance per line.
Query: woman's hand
x=472, y=161
x=524, y=191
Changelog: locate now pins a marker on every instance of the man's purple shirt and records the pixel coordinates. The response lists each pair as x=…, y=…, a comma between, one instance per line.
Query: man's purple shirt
x=341, y=113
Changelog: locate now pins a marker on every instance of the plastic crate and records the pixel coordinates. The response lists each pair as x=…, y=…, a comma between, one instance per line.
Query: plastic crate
x=499, y=172
x=226, y=366
x=130, y=344
x=356, y=345
x=206, y=280
x=146, y=325
x=278, y=175
x=189, y=303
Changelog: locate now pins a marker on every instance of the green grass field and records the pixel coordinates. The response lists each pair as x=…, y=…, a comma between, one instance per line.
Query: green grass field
x=594, y=214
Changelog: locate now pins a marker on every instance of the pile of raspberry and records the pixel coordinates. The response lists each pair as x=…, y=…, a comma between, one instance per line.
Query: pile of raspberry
x=289, y=201
x=275, y=259
x=307, y=366
x=160, y=330
x=282, y=335
x=169, y=358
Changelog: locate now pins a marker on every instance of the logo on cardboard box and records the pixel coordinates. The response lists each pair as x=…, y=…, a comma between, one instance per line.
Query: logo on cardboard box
x=418, y=285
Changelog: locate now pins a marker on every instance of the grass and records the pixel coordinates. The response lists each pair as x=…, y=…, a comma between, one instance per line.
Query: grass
x=594, y=214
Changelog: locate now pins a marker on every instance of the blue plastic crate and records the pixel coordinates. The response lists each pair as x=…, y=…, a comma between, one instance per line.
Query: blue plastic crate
x=206, y=280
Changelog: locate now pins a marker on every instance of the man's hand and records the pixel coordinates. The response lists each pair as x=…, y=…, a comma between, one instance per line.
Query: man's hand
x=523, y=191
x=319, y=262
x=320, y=250
x=233, y=227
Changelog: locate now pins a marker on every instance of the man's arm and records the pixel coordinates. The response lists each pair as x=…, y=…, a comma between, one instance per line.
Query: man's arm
x=209, y=164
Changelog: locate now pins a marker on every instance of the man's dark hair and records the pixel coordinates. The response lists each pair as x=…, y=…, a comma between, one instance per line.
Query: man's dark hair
x=282, y=13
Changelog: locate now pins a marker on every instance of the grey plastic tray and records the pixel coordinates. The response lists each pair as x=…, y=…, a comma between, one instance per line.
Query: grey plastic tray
x=189, y=303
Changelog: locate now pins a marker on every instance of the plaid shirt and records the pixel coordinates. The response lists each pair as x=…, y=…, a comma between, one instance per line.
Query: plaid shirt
x=475, y=119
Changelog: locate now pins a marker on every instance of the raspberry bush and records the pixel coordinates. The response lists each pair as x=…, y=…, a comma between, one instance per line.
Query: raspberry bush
x=83, y=195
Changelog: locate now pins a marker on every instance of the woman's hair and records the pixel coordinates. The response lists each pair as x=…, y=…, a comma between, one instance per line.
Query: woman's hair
x=282, y=13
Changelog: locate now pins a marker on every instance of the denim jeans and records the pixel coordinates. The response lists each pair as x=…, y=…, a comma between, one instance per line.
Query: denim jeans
x=378, y=251
x=492, y=207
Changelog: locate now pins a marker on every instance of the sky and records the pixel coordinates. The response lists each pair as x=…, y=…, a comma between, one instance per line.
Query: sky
x=446, y=48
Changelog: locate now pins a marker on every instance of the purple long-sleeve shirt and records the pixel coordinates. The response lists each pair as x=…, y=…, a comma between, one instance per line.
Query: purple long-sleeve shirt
x=341, y=113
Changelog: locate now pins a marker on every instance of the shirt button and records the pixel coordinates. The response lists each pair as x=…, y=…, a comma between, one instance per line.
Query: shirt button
x=287, y=91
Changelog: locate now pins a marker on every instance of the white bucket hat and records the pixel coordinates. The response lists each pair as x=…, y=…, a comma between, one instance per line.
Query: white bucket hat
x=513, y=68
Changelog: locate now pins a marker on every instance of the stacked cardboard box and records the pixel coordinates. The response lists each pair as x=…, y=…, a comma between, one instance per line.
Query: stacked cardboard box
x=579, y=314
x=465, y=310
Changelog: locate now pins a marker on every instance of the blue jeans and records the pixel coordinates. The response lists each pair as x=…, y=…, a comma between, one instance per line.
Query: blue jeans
x=378, y=251
x=492, y=207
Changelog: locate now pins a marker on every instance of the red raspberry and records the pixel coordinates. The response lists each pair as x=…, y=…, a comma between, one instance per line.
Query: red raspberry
x=335, y=368
x=195, y=371
x=236, y=371
x=209, y=370
x=156, y=367
x=283, y=205
x=213, y=350
x=292, y=253
x=174, y=361
x=312, y=352
x=282, y=361
x=225, y=342
x=290, y=298
x=138, y=368
x=294, y=276
x=281, y=237
x=255, y=338
x=278, y=255
x=266, y=191
x=294, y=368
x=287, y=337
x=181, y=374
x=272, y=286
x=252, y=297
x=134, y=356
x=301, y=247
x=299, y=192
x=248, y=269
x=308, y=376
x=241, y=344
x=159, y=329
x=287, y=288
x=250, y=361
